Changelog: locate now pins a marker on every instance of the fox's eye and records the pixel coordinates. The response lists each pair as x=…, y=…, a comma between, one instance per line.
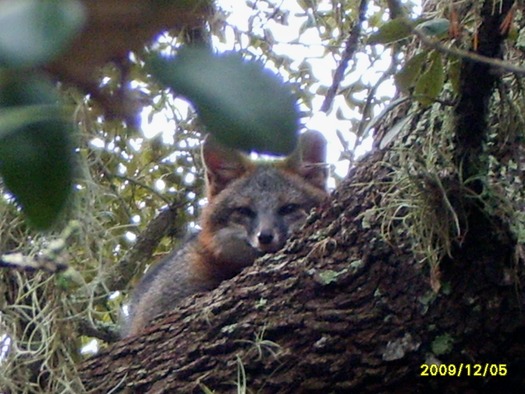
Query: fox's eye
x=288, y=209
x=245, y=211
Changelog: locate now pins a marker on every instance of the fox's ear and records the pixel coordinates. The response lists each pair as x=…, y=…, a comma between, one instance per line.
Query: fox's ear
x=309, y=159
x=222, y=165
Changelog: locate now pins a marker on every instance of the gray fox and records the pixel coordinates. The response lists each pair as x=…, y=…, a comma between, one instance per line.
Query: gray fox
x=253, y=207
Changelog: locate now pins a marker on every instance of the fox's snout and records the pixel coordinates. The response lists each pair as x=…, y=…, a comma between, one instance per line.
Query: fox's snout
x=267, y=240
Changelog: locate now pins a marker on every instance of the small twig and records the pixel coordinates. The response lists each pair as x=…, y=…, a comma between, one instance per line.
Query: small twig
x=142, y=185
x=363, y=124
x=26, y=263
x=106, y=332
x=51, y=259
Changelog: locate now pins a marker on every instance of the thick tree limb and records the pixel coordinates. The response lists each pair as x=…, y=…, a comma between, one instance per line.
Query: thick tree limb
x=477, y=84
x=338, y=311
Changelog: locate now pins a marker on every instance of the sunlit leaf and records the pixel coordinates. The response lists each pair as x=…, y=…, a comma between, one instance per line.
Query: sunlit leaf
x=392, y=31
x=406, y=78
x=241, y=103
x=33, y=32
x=431, y=81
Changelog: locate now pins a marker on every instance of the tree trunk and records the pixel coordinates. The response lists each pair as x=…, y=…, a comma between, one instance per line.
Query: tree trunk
x=350, y=305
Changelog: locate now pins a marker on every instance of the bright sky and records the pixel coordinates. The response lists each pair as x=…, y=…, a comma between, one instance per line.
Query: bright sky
x=307, y=47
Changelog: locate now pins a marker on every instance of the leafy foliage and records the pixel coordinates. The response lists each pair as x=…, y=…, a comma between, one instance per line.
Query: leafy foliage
x=424, y=72
x=242, y=104
x=430, y=83
x=391, y=32
x=36, y=157
x=33, y=32
x=407, y=77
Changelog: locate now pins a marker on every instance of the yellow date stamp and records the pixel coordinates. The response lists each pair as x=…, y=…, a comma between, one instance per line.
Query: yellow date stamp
x=463, y=369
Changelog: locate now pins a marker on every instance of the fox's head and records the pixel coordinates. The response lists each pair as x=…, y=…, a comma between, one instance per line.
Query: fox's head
x=254, y=206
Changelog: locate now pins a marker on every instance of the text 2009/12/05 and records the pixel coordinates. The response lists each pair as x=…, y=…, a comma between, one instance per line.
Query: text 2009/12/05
x=464, y=369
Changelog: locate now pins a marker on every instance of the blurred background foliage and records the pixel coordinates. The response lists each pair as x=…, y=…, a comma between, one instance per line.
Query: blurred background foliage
x=129, y=151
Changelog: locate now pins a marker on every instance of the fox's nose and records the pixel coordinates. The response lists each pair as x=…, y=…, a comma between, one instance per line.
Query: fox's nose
x=265, y=237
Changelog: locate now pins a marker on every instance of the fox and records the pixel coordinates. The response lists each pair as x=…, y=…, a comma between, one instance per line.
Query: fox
x=253, y=207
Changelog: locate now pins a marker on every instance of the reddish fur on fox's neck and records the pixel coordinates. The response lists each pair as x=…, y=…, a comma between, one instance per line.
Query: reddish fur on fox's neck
x=211, y=265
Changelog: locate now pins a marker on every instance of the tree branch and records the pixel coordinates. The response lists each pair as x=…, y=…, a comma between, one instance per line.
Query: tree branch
x=477, y=85
x=143, y=248
x=106, y=332
x=468, y=55
x=350, y=49
x=341, y=312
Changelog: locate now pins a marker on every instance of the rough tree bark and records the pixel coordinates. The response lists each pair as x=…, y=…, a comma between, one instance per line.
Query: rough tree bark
x=346, y=310
x=341, y=309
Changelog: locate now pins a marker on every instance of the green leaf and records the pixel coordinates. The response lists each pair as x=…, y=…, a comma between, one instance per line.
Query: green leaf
x=33, y=32
x=406, y=78
x=392, y=31
x=243, y=105
x=396, y=129
x=434, y=27
x=35, y=149
x=431, y=81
